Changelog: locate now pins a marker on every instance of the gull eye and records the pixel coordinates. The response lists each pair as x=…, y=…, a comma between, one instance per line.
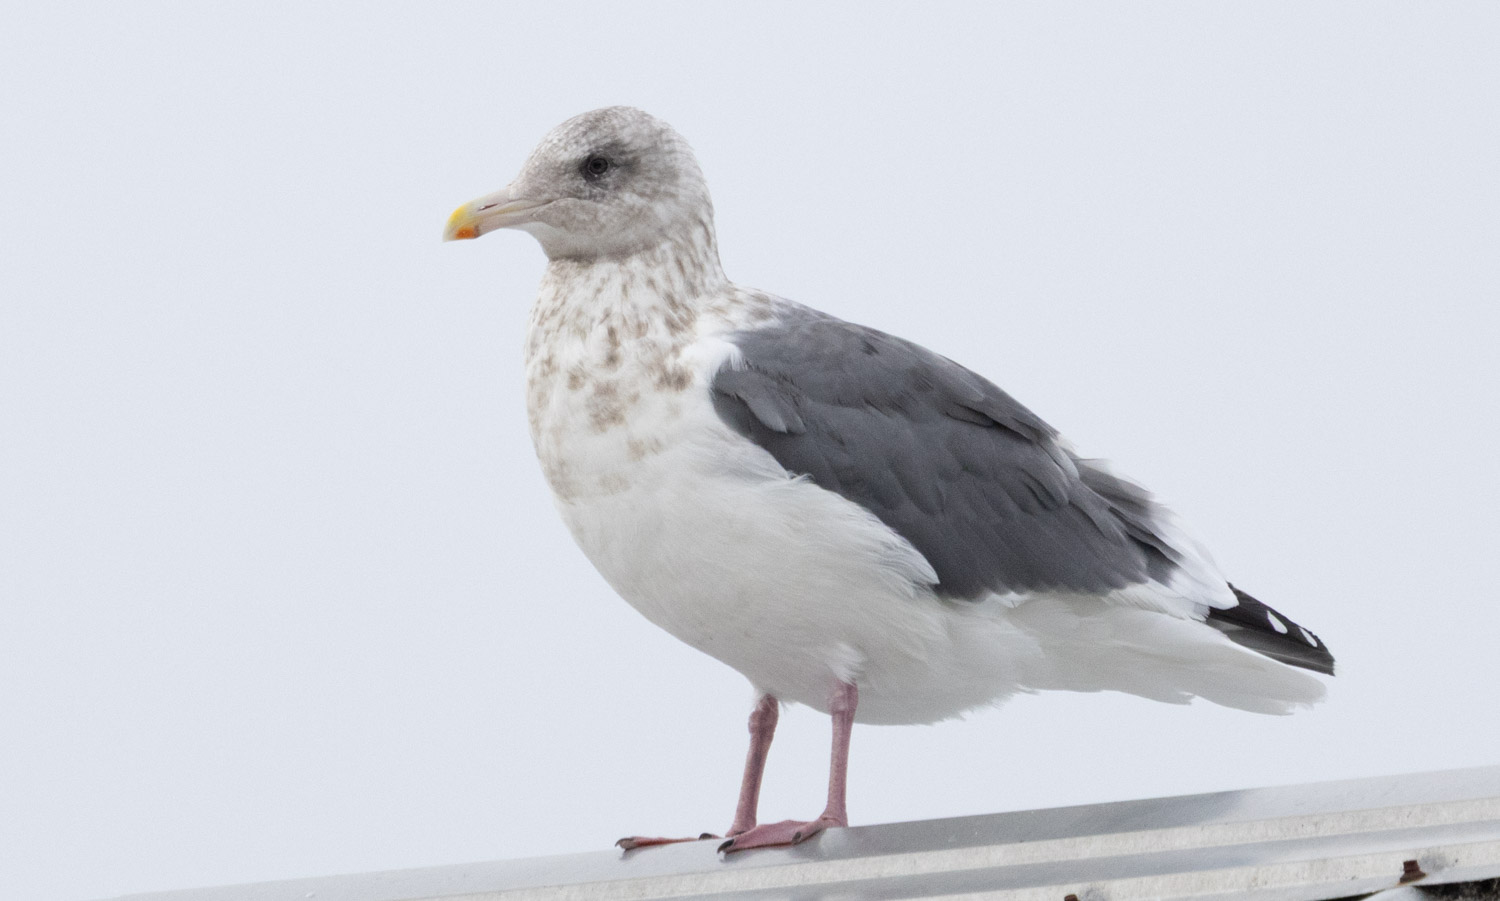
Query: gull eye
x=595, y=166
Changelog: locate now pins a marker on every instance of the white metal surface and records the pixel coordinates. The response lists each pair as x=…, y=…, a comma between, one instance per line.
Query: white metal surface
x=1295, y=843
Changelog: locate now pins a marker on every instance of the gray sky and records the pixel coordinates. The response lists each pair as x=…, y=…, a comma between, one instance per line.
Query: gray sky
x=281, y=589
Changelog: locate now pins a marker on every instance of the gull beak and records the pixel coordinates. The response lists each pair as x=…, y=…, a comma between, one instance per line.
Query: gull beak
x=492, y=211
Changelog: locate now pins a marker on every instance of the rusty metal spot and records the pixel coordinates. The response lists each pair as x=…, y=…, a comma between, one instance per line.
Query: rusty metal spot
x=1411, y=871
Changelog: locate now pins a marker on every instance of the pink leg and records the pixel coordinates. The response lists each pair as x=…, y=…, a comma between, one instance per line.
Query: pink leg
x=762, y=729
x=841, y=705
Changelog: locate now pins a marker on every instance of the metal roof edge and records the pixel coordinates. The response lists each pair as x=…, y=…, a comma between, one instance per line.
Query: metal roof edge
x=1348, y=838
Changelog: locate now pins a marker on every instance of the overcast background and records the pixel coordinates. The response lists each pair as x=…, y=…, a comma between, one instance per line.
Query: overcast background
x=282, y=592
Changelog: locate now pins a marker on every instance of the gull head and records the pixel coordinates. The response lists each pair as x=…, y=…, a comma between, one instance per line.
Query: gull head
x=608, y=183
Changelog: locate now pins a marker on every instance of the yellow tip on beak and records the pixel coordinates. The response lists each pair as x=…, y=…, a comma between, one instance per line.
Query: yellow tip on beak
x=461, y=224
x=498, y=210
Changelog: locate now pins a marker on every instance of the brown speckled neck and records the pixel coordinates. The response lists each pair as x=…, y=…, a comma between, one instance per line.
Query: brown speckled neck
x=608, y=335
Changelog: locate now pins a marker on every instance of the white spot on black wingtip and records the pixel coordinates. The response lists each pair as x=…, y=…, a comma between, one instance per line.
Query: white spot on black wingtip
x=1254, y=625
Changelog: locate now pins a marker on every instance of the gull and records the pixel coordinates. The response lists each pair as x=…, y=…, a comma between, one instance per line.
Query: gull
x=851, y=521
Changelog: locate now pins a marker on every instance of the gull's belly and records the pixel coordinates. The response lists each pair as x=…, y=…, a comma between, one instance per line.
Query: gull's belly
x=770, y=577
x=708, y=537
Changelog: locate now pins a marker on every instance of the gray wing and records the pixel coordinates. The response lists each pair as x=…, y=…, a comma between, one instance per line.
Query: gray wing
x=975, y=481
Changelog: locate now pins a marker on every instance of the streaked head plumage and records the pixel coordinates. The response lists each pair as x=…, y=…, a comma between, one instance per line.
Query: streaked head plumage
x=609, y=182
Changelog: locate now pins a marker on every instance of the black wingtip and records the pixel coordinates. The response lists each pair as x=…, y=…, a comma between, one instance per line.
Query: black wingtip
x=1256, y=626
